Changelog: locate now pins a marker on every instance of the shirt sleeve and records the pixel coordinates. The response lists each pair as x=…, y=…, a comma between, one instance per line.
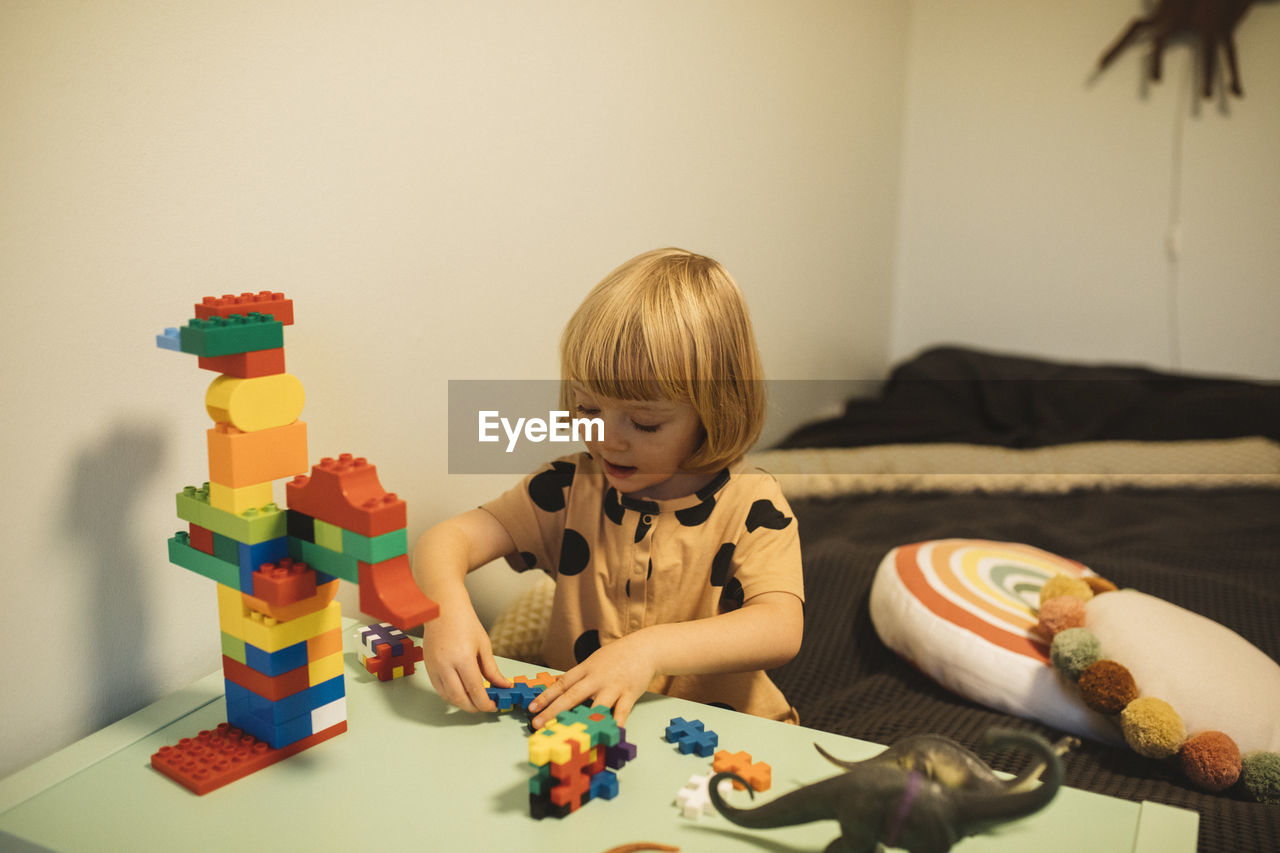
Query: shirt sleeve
x=766, y=553
x=533, y=514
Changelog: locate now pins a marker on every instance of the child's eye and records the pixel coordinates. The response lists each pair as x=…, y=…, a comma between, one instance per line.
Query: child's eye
x=645, y=427
x=589, y=411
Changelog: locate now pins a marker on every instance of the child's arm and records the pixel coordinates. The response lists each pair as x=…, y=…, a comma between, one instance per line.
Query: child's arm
x=764, y=633
x=456, y=649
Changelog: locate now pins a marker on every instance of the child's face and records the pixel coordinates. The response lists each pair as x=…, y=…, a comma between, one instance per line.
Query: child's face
x=645, y=443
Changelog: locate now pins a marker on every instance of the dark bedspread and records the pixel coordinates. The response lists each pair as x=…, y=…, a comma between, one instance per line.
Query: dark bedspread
x=1216, y=552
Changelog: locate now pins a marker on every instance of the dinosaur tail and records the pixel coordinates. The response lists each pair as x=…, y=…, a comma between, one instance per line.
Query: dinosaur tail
x=981, y=808
x=787, y=810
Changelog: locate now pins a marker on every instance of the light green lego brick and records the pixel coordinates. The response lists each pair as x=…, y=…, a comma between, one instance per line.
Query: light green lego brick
x=233, y=647
x=250, y=527
x=375, y=549
x=323, y=560
x=181, y=553
x=328, y=536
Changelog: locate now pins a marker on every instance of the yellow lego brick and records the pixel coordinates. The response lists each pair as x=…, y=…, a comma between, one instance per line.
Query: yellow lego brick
x=328, y=536
x=237, y=501
x=550, y=744
x=237, y=619
x=257, y=403
x=324, y=669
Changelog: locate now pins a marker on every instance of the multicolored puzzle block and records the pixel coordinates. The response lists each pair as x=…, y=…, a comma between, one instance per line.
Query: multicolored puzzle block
x=388, y=652
x=522, y=691
x=277, y=570
x=575, y=757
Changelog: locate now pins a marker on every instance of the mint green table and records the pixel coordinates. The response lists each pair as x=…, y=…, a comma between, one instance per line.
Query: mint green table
x=414, y=774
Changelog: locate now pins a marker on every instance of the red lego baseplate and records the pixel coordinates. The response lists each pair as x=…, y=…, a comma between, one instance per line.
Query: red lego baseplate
x=215, y=758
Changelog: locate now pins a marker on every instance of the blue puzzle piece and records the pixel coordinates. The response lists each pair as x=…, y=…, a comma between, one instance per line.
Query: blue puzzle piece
x=690, y=736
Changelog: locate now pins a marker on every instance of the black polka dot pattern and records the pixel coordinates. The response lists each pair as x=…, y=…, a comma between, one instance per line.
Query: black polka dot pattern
x=586, y=644
x=764, y=514
x=695, y=515
x=720, y=564
x=613, y=510
x=546, y=489
x=575, y=553
x=732, y=597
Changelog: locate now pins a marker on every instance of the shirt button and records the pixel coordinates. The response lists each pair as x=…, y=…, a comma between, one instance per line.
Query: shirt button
x=648, y=519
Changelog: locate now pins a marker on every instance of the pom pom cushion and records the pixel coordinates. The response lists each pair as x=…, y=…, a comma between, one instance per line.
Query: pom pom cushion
x=968, y=613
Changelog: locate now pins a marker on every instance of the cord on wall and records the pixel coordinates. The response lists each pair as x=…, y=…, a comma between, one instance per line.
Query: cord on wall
x=1173, y=231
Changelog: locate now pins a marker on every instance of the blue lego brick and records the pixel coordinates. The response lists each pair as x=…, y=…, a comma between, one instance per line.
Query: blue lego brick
x=246, y=702
x=251, y=557
x=170, y=340
x=277, y=736
x=275, y=663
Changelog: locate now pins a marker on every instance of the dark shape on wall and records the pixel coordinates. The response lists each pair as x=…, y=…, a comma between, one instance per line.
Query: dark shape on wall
x=1210, y=22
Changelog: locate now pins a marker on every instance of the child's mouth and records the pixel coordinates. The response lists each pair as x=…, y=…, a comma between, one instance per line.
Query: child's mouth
x=621, y=472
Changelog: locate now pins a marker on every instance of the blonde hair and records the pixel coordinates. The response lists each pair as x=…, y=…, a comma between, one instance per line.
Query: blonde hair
x=670, y=324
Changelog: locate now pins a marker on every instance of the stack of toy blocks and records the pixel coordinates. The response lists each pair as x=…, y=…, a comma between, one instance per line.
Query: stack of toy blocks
x=576, y=756
x=281, y=627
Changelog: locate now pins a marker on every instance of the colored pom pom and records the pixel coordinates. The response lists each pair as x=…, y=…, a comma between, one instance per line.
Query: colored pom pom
x=1107, y=687
x=1152, y=728
x=1074, y=650
x=1059, y=614
x=1059, y=585
x=1099, y=585
x=1211, y=760
x=1261, y=774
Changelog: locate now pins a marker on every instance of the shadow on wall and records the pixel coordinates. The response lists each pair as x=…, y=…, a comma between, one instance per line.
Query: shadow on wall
x=98, y=518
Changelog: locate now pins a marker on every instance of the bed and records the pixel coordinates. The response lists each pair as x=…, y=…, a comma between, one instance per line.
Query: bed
x=1161, y=483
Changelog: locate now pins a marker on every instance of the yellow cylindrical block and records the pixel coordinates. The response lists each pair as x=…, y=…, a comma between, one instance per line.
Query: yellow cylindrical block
x=261, y=402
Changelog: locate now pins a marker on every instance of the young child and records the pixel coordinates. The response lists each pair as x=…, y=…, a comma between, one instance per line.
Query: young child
x=677, y=568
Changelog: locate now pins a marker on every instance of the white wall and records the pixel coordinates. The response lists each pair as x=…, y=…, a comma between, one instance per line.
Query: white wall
x=437, y=185
x=1037, y=196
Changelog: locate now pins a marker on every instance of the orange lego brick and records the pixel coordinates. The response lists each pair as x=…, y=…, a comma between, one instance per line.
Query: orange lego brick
x=239, y=459
x=389, y=593
x=263, y=302
x=246, y=365
x=345, y=492
x=218, y=757
x=283, y=612
x=284, y=582
x=328, y=643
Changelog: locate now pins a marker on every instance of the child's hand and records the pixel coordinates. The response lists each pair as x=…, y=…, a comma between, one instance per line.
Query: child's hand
x=614, y=676
x=459, y=658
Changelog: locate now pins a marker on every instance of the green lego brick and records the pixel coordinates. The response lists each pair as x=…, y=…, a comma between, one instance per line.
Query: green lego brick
x=323, y=560
x=181, y=553
x=251, y=527
x=233, y=647
x=375, y=549
x=231, y=335
x=328, y=536
x=226, y=548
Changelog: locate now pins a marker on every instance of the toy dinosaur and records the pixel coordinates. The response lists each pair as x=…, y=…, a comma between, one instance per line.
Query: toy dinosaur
x=923, y=794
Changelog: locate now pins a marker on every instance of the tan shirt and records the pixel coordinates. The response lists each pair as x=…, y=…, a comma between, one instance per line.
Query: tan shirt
x=621, y=564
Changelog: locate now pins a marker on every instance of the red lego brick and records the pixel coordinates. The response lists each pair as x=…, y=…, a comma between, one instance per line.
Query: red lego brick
x=284, y=582
x=201, y=539
x=221, y=756
x=345, y=492
x=246, y=365
x=388, y=593
x=264, y=302
x=273, y=687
